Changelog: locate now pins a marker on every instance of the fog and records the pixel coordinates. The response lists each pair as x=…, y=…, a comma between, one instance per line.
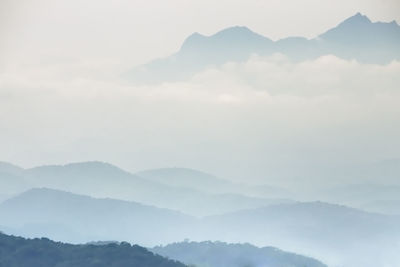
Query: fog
x=156, y=122
x=245, y=121
x=63, y=98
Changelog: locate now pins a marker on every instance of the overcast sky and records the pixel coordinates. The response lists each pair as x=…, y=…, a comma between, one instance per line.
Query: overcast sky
x=140, y=30
x=61, y=99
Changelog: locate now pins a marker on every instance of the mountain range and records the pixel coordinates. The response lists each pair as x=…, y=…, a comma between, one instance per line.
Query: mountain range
x=333, y=233
x=338, y=235
x=104, y=180
x=356, y=38
x=78, y=219
x=220, y=254
x=83, y=202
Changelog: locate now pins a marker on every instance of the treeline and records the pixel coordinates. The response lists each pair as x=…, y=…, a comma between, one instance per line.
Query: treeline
x=21, y=252
x=221, y=254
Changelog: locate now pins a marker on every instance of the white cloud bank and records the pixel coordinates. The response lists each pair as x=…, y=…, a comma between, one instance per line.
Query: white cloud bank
x=261, y=119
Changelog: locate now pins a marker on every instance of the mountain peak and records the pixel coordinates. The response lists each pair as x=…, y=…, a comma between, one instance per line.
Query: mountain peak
x=235, y=29
x=353, y=28
x=195, y=35
x=239, y=39
x=358, y=19
x=237, y=32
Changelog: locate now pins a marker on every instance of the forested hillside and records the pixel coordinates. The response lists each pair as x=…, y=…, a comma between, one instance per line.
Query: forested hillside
x=221, y=254
x=20, y=252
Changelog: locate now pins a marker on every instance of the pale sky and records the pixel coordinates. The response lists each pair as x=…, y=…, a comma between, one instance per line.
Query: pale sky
x=139, y=30
x=61, y=99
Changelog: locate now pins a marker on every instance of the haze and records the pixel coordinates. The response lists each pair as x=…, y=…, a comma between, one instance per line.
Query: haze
x=63, y=99
x=220, y=134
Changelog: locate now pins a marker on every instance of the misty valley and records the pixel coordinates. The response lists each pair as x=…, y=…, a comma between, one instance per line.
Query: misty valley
x=192, y=217
x=287, y=150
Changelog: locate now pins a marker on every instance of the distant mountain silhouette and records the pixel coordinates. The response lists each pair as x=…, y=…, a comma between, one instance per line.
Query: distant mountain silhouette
x=359, y=29
x=338, y=235
x=21, y=252
x=11, y=181
x=371, y=197
x=204, y=194
x=389, y=206
x=359, y=38
x=6, y=167
x=79, y=219
x=201, y=181
x=219, y=254
x=189, y=178
x=104, y=180
x=355, y=38
x=335, y=234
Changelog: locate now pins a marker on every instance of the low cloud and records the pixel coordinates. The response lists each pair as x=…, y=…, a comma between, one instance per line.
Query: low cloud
x=239, y=120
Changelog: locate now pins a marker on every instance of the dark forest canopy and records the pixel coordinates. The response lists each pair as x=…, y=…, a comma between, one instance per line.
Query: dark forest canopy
x=21, y=252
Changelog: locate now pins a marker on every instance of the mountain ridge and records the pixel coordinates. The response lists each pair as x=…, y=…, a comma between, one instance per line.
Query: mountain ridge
x=222, y=254
x=320, y=230
x=21, y=252
x=355, y=38
x=103, y=180
x=78, y=218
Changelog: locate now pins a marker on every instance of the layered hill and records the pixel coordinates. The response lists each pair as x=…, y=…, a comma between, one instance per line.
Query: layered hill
x=79, y=219
x=104, y=180
x=220, y=254
x=21, y=252
x=205, y=182
x=336, y=234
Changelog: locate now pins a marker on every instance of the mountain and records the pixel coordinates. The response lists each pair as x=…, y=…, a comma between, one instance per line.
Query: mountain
x=103, y=180
x=201, y=181
x=11, y=181
x=371, y=197
x=385, y=171
x=220, y=254
x=199, y=51
x=355, y=38
x=76, y=218
x=188, y=178
x=98, y=179
x=6, y=167
x=383, y=206
x=197, y=193
x=242, y=42
x=338, y=235
x=21, y=252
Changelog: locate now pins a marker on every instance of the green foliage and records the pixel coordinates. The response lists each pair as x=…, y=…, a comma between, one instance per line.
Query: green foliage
x=20, y=252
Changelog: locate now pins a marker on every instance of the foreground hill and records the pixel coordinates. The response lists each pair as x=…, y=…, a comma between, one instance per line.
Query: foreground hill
x=355, y=38
x=219, y=254
x=79, y=219
x=20, y=252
